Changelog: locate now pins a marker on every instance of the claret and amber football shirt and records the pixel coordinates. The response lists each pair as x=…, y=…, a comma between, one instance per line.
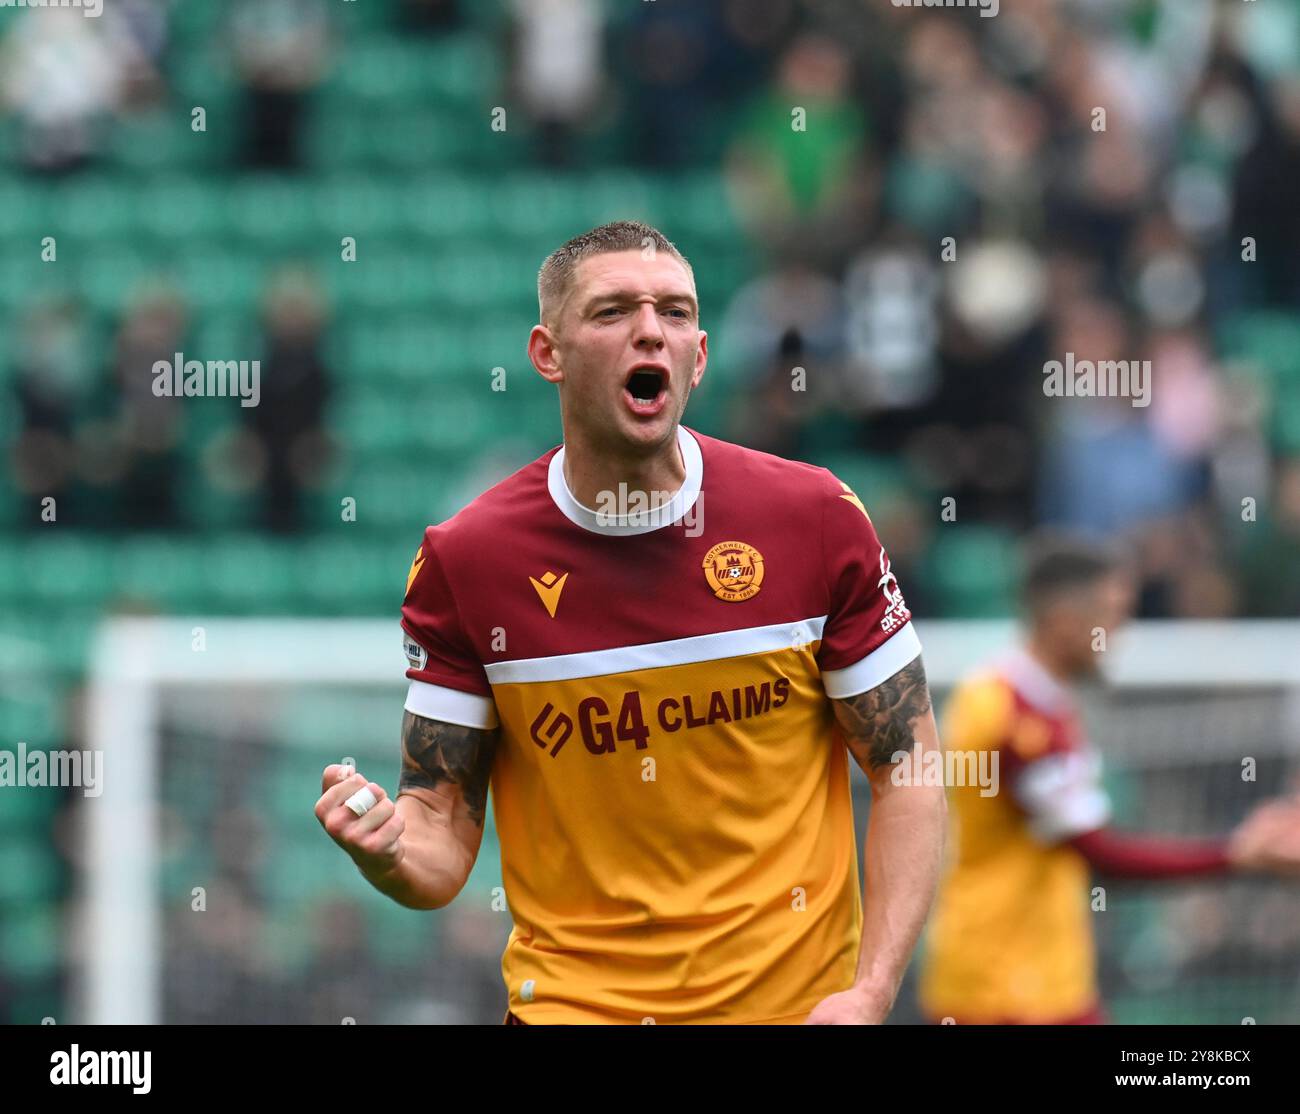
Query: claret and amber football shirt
x=1010, y=938
x=670, y=790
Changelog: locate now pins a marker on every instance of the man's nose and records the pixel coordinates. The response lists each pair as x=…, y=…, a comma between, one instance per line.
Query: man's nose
x=648, y=328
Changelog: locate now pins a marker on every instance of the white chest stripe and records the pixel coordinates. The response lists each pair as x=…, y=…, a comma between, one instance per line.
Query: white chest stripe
x=653, y=655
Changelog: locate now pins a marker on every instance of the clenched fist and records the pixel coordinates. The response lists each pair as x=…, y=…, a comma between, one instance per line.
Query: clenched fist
x=374, y=840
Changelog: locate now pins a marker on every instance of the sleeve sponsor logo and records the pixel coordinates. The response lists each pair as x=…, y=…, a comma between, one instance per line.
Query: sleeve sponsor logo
x=416, y=654
x=896, y=612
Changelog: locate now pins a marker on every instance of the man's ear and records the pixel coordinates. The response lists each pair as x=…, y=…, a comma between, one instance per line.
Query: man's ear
x=543, y=351
x=701, y=360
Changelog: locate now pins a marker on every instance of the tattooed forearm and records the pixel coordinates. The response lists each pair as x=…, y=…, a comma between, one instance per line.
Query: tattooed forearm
x=434, y=753
x=881, y=721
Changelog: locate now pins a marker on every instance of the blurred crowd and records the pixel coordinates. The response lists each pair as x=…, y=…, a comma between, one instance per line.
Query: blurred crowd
x=97, y=436
x=942, y=204
x=1106, y=179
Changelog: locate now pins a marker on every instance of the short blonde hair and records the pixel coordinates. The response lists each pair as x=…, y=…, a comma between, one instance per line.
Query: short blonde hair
x=555, y=279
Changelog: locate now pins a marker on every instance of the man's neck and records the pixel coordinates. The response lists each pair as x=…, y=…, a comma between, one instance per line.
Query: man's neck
x=594, y=476
x=1041, y=652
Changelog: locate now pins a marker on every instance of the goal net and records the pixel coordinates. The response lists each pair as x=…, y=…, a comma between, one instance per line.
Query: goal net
x=210, y=894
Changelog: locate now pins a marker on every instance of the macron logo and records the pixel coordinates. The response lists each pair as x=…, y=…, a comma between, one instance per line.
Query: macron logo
x=113, y=1068
x=549, y=589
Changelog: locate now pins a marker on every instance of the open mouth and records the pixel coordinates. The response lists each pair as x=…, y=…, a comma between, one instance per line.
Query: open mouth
x=645, y=384
x=645, y=390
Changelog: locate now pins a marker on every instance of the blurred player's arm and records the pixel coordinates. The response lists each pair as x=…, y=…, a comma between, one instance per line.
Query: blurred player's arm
x=1267, y=841
x=419, y=850
x=904, y=843
x=1064, y=802
x=1126, y=855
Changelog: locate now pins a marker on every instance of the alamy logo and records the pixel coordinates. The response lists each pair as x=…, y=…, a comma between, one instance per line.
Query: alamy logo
x=1098, y=379
x=922, y=766
x=83, y=769
x=652, y=509
x=92, y=9
x=182, y=378
x=113, y=1068
x=987, y=8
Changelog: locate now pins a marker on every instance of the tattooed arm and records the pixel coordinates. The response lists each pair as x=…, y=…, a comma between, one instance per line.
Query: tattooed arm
x=905, y=836
x=442, y=796
x=418, y=849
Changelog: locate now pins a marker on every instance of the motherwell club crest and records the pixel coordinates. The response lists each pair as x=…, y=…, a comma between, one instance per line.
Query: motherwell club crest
x=734, y=570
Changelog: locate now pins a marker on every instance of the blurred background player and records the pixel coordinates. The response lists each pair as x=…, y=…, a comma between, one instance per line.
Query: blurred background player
x=1010, y=939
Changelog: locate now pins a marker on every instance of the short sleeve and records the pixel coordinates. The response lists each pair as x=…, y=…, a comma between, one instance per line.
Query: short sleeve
x=868, y=636
x=1055, y=782
x=448, y=681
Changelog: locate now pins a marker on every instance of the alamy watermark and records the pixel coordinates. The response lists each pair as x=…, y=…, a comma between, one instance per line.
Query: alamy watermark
x=987, y=8
x=920, y=766
x=182, y=378
x=1075, y=378
x=83, y=769
x=651, y=509
x=87, y=1067
x=91, y=9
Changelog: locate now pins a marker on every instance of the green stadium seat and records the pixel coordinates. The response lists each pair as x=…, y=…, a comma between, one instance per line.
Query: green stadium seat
x=24, y=814
x=387, y=497
x=10, y=141
x=377, y=71
x=183, y=210
x=1269, y=341
x=972, y=571
x=29, y=721
x=362, y=207
x=96, y=209
x=161, y=141
x=461, y=68
x=361, y=21
x=31, y=936
x=196, y=24
x=111, y=277
x=30, y=870
x=225, y=332
x=1286, y=421
x=272, y=213
x=446, y=208
x=23, y=210
x=67, y=570
x=245, y=574
x=221, y=280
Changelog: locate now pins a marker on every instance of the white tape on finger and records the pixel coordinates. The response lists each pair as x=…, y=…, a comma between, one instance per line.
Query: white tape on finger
x=362, y=801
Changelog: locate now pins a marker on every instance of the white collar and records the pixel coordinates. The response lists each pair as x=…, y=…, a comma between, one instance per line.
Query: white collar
x=1034, y=682
x=634, y=520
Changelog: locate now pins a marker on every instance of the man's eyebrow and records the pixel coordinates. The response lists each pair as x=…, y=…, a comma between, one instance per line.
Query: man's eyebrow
x=628, y=295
